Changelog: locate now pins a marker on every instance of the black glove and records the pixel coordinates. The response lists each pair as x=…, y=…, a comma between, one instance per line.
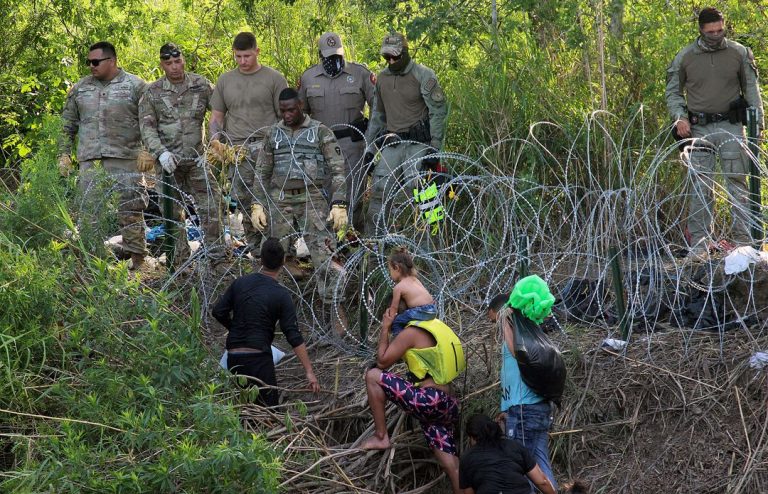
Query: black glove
x=431, y=163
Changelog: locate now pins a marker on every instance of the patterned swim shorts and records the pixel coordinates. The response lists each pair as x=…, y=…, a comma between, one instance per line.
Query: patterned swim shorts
x=435, y=410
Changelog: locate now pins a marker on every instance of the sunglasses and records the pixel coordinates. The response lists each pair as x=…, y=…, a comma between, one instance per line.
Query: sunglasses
x=392, y=57
x=167, y=56
x=96, y=61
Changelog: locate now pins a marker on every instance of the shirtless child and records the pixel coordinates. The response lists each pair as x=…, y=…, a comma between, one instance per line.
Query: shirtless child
x=408, y=289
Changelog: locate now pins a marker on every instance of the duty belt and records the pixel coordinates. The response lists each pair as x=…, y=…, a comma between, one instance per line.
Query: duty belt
x=700, y=118
x=342, y=133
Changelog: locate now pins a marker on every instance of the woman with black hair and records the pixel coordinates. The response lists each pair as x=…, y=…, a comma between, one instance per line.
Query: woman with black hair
x=496, y=465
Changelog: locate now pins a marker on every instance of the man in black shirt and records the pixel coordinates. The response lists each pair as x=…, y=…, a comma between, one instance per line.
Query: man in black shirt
x=249, y=309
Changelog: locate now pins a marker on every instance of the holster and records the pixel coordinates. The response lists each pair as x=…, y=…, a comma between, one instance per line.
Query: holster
x=417, y=132
x=737, y=112
x=361, y=124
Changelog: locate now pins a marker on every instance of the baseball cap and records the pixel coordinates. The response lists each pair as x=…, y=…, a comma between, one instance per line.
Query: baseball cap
x=330, y=44
x=393, y=44
x=169, y=50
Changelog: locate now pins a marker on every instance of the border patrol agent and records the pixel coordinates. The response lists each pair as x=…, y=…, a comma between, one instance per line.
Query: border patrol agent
x=409, y=106
x=102, y=110
x=335, y=92
x=172, y=112
x=706, y=82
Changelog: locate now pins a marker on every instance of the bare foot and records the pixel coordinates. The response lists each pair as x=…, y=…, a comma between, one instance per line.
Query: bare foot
x=374, y=442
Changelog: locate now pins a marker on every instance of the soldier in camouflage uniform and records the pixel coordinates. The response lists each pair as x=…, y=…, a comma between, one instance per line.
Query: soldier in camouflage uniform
x=299, y=153
x=171, y=112
x=335, y=92
x=102, y=111
x=704, y=84
x=409, y=105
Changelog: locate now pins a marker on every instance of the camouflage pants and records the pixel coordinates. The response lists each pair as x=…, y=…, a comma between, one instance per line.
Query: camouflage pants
x=722, y=139
x=355, y=178
x=305, y=214
x=201, y=185
x=123, y=178
x=396, y=170
x=242, y=178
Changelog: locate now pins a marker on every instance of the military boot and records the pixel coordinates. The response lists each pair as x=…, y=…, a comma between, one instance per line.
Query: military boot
x=137, y=261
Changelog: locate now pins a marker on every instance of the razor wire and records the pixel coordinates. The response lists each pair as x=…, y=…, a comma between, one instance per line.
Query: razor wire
x=569, y=203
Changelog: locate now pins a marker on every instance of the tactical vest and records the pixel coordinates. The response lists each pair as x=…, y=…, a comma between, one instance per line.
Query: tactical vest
x=300, y=159
x=444, y=361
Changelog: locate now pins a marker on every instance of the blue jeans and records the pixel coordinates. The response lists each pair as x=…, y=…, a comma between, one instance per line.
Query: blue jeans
x=530, y=425
x=420, y=313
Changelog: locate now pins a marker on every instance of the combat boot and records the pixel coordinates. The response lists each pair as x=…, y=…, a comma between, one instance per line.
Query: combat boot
x=137, y=261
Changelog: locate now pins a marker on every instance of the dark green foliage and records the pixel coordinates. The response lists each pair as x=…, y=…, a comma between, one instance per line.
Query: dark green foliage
x=114, y=386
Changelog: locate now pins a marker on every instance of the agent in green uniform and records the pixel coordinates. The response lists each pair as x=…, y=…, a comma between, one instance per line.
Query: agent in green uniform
x=410, y=108
x=705, y=84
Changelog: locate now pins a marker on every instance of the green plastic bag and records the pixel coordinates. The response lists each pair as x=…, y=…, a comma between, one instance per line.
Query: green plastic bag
x=532, y=297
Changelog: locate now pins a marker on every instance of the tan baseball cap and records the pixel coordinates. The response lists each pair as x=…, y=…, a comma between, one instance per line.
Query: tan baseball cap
x=330, y=44
x=393, y=44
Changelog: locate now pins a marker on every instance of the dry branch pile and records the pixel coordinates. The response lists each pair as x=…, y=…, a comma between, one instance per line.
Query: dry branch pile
x=675, y=414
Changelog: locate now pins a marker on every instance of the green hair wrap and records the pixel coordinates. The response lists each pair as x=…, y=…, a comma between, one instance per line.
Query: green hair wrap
x=532, y=297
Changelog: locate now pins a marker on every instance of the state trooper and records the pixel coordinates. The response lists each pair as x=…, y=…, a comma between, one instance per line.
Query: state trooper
x=298, y=154
x=409, y=106
x=709, y=83
x=172, y=111
x=335, y=92
x=102, y=111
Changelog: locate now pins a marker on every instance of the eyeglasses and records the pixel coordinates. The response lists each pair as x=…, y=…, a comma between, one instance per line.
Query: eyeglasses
x=392, y=57
x=167, y=56
x=96, y=61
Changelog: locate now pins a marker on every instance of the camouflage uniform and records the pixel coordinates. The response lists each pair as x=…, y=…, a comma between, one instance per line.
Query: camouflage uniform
x=337, y=102
x=293, y=167
x=104, y=117
x=702, y=80
x=402, y=101
x=171, y=118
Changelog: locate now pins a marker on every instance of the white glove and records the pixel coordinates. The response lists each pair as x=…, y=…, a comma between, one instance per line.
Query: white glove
x=338, y=216
x=258, y=217
x=168, y=161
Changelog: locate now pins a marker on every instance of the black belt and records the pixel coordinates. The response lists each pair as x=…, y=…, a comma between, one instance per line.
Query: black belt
x=342, y=133
x=701, y=118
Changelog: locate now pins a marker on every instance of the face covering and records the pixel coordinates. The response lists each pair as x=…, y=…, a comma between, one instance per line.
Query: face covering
x=333, y=65
x=713, y=41
x=401, y=64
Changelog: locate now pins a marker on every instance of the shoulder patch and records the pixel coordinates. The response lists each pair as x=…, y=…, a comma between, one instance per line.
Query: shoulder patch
x=437, y=95
x=430, y=85
x=751, y=60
